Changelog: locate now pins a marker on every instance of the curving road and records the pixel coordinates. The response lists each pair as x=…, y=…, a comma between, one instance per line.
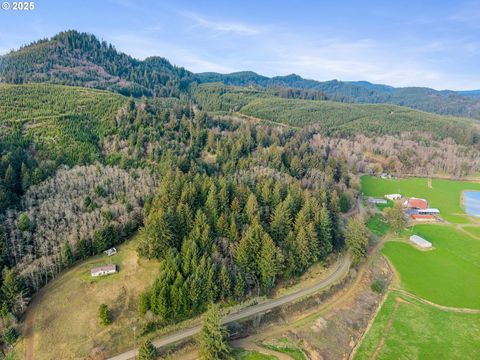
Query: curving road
x=339, y=273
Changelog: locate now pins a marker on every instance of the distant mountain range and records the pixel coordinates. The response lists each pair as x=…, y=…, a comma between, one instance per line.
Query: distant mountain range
x=74, y=58
x=447, y=102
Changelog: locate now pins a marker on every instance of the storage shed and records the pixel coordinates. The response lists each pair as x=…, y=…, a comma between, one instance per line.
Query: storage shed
x=417, y=240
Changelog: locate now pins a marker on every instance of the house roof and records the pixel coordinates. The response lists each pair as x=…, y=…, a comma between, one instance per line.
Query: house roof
x=110, y=267
x=417, y=203
x=422, y=217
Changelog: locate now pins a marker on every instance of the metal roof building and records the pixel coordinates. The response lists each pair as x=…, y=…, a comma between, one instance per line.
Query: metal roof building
x=420, y=242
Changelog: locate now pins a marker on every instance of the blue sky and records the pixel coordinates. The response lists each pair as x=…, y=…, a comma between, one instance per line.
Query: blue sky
x=400, y=43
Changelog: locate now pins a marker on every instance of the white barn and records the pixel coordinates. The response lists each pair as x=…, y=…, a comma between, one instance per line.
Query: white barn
x=417, y=240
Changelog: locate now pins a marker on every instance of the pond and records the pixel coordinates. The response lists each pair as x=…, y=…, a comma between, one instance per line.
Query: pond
x=471, y=202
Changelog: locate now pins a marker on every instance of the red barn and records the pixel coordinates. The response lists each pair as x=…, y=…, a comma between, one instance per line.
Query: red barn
x=416, y=203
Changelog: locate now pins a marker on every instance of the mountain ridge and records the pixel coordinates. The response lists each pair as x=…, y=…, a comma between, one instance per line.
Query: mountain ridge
x=81, y=59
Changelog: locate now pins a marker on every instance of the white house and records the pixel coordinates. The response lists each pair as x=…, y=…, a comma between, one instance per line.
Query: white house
x=417, y=240
x=104, y=270
x=393, y=196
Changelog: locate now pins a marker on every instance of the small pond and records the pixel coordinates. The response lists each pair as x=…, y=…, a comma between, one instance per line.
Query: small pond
x=471, y=202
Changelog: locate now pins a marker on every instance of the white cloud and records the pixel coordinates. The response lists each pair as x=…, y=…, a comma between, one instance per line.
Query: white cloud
x=221, y=26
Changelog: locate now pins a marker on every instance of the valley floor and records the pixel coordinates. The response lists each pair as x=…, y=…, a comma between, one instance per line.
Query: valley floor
x=432, y=310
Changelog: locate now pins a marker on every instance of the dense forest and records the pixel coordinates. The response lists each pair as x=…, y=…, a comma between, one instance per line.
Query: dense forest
x=74, y=58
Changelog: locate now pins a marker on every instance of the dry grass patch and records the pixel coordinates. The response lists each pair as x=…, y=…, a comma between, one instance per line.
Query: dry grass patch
x=66, y=312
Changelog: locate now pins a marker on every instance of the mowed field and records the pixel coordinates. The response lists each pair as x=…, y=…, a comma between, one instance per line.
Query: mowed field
x=66, y=323
x=447, y=278
x=406, y=328
x=447, y=275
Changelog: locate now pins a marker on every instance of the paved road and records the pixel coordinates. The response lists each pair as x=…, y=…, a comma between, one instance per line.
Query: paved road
x=340, y=272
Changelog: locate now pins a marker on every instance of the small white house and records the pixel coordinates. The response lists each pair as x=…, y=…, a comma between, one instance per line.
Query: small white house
x=417, y=240
x=104, y=270
x=393, y=196
x=110, y=252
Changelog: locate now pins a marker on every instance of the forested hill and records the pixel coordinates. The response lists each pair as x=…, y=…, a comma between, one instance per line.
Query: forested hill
x=445, y=102
x=73, y=58
x=334, y=118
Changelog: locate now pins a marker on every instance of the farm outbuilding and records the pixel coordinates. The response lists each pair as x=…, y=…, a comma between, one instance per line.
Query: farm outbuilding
x=423, y=218
x=377, y=201
x=429, y=211
x=104, y=270
x=420, y=242
x=393, y=196
x=110, y=252
x=416, y=203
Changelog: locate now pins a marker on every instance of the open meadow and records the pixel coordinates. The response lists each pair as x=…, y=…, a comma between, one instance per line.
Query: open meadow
x=65, y=312
x=406, y=328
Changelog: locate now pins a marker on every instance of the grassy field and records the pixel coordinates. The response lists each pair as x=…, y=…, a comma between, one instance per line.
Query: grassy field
x=447, y=275
x=444, y=194
x=473, y=230
x=66, y=316
x=408, y=329
x=377, y=226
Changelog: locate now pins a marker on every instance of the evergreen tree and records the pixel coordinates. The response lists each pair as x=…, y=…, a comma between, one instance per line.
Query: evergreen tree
x=158, y=236
x=304, y=255
x=213, y=343
x=225, y=283
x=147, y=351
x=67, y=255
x=356, y=238
x=324, y=233
x=281, y=222
x=269, y=262
x=249, y=248
x=25, y=176
x=252, y=209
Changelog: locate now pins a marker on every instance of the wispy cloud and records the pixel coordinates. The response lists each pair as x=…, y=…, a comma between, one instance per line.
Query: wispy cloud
x=142, y=46
x=221, y=26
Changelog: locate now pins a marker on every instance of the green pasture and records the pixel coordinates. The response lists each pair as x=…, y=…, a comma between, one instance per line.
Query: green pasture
x=408, y=329
x=449, y=274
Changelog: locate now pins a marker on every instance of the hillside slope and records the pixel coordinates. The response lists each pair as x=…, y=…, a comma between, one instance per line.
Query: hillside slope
x=61, y=123
x=426, y=99
x=333, y=117
x=74, y=58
